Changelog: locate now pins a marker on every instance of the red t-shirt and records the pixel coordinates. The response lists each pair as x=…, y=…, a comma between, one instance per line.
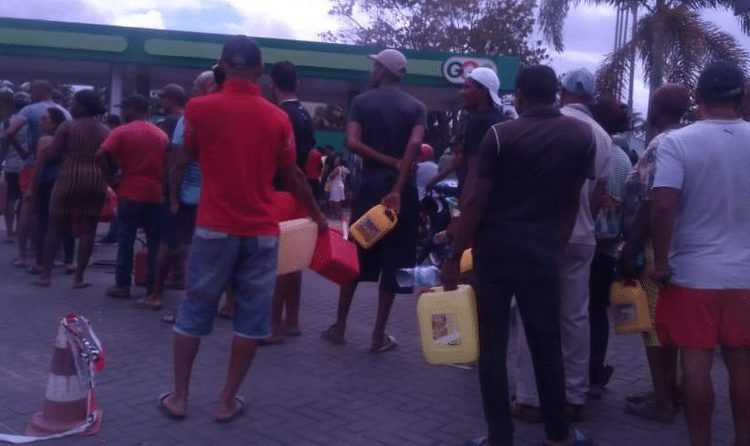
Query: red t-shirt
x=314, y=166
x=140, y=149
x=242, y=139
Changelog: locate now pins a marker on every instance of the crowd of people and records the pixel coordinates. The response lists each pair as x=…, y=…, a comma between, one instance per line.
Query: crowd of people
x=554, y=210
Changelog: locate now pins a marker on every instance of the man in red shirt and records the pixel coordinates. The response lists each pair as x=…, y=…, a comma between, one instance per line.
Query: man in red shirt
x=313, y=171
x=139, y=149
x=241, y=142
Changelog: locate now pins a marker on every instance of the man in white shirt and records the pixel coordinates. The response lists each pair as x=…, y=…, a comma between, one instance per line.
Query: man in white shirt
x=701, y=234
x=577, y=91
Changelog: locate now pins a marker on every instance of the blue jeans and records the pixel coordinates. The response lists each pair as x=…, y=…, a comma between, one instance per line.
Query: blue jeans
x=218, y=261
x=132, y=215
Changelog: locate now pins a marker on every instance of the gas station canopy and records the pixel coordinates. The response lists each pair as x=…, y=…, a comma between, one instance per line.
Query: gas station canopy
x=98, y=55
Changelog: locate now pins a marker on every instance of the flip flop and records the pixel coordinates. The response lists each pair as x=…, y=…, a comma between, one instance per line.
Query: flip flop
x=579, y=439
x=145, y=304
x=239, y=410
x=166, y=410
x=271, y=341
x=33, y=270
x=477, y=441
x=390, y=344
x=331, y=338
x=292, y=333
x=80, y=286
x=649, y=411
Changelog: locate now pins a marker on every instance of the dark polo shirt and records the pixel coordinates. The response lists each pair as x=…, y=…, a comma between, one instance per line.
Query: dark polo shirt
x=536, y=164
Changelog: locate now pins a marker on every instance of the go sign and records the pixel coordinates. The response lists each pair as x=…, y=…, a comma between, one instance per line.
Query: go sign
x=456, y=69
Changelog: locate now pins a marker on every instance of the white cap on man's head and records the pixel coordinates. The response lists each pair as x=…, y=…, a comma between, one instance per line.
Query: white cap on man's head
x=489, y=80
x=393, y=61
x=580, y=82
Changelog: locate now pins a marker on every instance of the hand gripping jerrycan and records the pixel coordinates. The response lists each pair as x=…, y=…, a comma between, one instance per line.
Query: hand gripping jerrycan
x=448, y=325
x=467, y=261
x=629, y=308
x=373, y=226
x=296, y=245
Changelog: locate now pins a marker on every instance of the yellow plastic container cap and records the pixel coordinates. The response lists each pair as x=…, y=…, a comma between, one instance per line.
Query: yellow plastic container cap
x=373, y=226
x=297, y=240
x=448, y=326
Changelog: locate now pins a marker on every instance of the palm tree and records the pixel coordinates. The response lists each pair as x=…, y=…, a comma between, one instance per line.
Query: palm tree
x=671, y=40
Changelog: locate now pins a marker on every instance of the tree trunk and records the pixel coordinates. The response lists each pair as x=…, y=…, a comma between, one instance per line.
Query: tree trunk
x=659, y=55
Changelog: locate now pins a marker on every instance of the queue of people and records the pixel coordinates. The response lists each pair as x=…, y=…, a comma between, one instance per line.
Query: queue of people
x=553, y=208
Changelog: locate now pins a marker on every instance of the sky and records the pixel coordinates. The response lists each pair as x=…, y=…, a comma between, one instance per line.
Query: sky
x=588, y=34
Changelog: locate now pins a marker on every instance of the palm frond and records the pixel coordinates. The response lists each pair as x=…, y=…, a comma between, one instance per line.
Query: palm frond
x=612, y=73
x=743, y=19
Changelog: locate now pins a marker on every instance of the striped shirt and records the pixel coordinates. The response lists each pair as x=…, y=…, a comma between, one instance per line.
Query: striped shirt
x=191, y=182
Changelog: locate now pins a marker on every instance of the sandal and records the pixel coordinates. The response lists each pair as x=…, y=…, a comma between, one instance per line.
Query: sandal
x=579, y=439
x=148, y=305
x=118, y=292
x=166, y=410
x=639, y=398
x=332, y=337
x=648, y=410
x=33, y=269
x=481, y=441
x=388, y=343
x=238, y=411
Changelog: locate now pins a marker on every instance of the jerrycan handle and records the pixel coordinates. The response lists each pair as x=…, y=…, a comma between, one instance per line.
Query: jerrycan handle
x=391, y=214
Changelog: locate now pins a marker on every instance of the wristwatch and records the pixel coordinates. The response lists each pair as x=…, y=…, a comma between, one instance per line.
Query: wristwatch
x=452, y=255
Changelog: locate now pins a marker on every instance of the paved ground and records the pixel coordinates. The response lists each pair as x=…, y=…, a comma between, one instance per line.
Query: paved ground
x=302, y=393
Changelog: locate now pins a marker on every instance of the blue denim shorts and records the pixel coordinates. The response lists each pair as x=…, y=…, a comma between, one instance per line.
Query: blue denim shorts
x=218, y=261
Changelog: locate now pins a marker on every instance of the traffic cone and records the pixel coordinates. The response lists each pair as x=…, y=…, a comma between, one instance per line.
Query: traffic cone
x=66, y=401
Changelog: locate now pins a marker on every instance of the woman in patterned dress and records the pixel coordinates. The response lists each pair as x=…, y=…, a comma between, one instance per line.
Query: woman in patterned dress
x=81, y=189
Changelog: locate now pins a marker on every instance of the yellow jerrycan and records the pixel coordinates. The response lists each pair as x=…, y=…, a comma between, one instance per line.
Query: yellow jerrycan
x=467, y=261
x=448, y=326
x=297, y=240
x=629, y=308
x=373, y=226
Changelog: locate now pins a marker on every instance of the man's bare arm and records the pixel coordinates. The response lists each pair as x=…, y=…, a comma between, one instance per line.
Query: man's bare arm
x=663, y=214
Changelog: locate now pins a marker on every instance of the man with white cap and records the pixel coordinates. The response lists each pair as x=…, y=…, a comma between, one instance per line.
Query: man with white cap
x=576, y=94
x=385, y=128
x=479, y=96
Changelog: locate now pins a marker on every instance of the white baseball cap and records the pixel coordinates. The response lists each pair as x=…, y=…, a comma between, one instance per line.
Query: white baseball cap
x=393, y=61
x=489, y=80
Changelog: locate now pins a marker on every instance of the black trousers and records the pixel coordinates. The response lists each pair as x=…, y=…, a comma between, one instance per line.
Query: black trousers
x=602, y=275
x=43, y=198
x=536, y=287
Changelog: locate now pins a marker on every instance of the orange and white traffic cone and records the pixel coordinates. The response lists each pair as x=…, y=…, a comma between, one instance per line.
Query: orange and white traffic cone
x=69, y=400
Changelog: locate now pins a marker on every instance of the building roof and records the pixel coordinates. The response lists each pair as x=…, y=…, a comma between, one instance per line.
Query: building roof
x=190, y=50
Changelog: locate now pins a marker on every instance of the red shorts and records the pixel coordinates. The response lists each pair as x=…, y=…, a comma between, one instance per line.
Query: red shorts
x=702, y=319
x=24, y=178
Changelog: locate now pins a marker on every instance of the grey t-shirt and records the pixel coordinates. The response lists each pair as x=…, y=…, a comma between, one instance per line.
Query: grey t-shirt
x=387, y=117
x=13, y=161
x=32, y=116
